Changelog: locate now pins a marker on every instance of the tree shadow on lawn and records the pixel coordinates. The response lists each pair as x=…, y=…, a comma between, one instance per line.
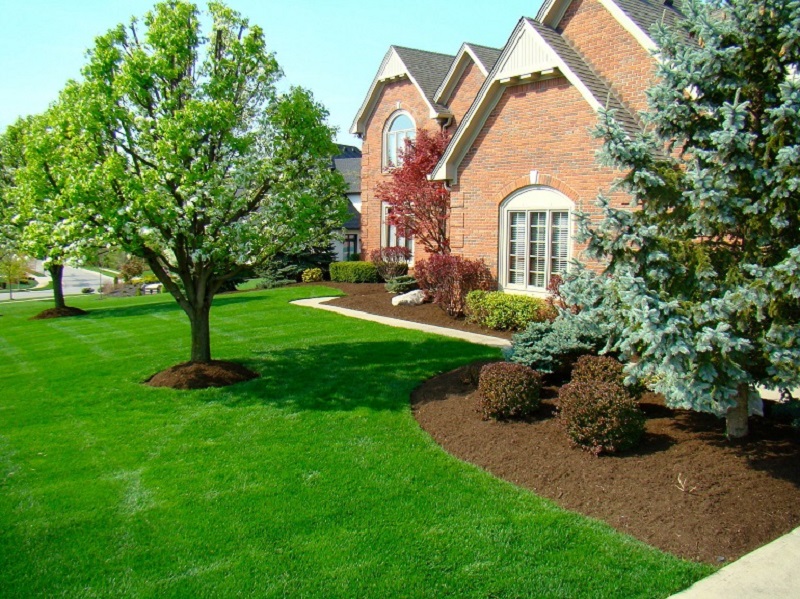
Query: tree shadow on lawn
x=378, y=375
x=169, y=305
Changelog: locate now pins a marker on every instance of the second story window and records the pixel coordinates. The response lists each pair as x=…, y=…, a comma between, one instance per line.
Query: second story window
x=400, y=128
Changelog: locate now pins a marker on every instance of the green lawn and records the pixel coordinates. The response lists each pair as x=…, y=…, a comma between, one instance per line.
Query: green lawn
x=312, y=481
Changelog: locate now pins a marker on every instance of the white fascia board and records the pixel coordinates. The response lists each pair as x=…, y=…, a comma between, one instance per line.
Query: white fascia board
x=552, y=11
x=457, y=69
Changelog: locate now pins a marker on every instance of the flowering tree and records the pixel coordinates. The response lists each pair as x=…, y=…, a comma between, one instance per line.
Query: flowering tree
x=419, y=207
x=208, y=170
x=706, y=272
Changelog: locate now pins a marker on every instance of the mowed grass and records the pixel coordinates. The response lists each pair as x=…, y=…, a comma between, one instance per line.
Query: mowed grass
x=312, y=481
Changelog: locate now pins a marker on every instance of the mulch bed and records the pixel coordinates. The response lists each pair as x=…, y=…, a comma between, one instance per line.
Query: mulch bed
x=686, y=489
x=59, y=313
x=197, y=375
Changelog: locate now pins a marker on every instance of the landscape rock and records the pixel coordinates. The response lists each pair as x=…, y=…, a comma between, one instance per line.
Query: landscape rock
x=412, y=298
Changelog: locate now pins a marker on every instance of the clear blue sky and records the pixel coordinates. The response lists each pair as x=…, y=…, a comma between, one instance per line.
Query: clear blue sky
x=333, y=47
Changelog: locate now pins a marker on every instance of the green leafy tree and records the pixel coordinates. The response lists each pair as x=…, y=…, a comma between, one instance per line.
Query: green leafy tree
x=705, y=285
x=209, y=170
x=13, y=269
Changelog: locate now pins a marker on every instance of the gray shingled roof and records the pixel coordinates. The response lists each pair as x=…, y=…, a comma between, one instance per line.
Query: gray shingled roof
x=487, y=56
x=646, y=13
x=428, y=69
x=354, y=222
x=351, y=171
x=601, y=92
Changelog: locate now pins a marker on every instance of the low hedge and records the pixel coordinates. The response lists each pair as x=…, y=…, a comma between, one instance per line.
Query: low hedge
x=506, y=311
x=354, y=272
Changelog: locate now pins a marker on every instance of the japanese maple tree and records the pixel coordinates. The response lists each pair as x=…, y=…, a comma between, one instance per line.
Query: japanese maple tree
x=418, y=207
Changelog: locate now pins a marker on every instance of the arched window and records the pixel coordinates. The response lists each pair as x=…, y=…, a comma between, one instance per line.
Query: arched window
x=400, y=128
x=535, y=238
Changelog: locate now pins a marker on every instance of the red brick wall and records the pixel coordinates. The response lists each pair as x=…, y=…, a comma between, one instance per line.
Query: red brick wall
x=464, y=93
x=611, y=51
x=543, y=126
x=407, y=95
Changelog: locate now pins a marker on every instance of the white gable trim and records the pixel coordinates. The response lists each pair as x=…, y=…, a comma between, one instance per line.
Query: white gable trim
x=552, y=11
x=392, y=68
x=526, y=57
x=460, y=63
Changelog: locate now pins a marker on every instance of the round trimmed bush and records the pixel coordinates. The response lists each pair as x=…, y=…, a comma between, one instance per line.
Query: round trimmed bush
x=599, y=416
x=603, y=368
x=507, y=390
x=312, y=275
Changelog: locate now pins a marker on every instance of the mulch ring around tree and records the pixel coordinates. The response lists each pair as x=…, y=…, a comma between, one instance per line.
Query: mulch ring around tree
x=685, y=489
x=201, y=375
x=59, y=313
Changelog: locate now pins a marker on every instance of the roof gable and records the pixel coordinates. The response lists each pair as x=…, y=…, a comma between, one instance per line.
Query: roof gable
x=481, y=56
x=637, y=17
x=424, y=69
x=533, y=52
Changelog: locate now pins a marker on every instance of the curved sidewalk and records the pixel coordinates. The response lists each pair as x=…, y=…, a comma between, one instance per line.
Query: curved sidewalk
x=319, y=302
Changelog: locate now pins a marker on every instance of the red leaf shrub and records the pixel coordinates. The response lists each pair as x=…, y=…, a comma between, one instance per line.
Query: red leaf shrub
x=391, y=262
x=600, y=417
x=508, y=390
x=447, y=279
x=604, y=369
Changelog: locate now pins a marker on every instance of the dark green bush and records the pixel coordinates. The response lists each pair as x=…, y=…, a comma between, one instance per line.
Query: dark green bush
x=600, y=417
x=312, y=275
x=508, y=390
x=402, y=284
x=553, y=347
x=354, y=272
x=506, y=311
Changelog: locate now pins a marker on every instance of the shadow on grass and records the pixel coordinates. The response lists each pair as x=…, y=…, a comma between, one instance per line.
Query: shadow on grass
x=169, y=305
x=378, y=375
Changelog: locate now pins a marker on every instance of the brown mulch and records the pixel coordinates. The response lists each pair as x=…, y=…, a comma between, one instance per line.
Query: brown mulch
x=686, y=489
x=374, y=299
x=197, y=375
x=59, y=313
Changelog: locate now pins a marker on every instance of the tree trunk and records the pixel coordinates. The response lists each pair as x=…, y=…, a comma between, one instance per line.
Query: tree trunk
x=201, y=332
x=736, y=418
x=56, y=274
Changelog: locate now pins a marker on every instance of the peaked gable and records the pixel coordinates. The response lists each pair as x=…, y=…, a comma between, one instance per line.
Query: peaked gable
x=482, y=57
x=533, y=52
x=424, y=69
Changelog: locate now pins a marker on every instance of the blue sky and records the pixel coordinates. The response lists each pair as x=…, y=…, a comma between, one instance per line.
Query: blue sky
x=333, y=47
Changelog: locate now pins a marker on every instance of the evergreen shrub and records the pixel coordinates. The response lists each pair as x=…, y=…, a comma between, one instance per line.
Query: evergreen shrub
x=354, y=272
x=507, y=390
x=312, y=275
x=506, y=311
x=402, y=284
x=447, y=279
x=600, y=417
x=553, y=347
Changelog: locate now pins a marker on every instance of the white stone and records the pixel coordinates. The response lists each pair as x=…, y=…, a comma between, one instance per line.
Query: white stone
x=412, y=298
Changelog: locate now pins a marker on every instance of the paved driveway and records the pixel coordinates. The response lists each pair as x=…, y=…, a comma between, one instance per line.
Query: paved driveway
x=73, y=281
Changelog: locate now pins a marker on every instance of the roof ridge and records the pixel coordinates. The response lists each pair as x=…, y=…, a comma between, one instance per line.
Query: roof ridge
x=396, y=47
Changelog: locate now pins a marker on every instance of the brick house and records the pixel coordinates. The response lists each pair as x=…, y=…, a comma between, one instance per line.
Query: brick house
x=521, y=158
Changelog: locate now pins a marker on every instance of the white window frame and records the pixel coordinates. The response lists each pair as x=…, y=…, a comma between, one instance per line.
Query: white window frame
x=389, y=234
x=532, y=199
x=404, y=133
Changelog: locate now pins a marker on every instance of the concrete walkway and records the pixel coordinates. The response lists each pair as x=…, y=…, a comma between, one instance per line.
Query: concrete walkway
x=770, y=572
x=319, y=302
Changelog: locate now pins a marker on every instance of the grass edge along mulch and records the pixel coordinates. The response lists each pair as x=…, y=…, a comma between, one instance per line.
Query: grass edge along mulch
x=312, y=480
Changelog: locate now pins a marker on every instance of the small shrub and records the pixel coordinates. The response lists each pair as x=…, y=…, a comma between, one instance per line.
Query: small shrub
x=133, y=267
x=447, y=279
x=354, y=272
x=149, y=279
x=391, y=262
x=273, y=283
x=508, y=390
x=600, y=417
x=553, y=347
x=402, y=284
x=87, y=290
x=312, y=275
x=503, y=311
x=602, y=368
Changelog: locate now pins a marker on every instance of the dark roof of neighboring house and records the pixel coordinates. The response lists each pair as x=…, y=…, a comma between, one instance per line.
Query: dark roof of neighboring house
x=428, y=69
x=646, y=13
x=488, y=56
x=346, y=151
x=354, y=222
x=351, y=171
x=586, y=74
